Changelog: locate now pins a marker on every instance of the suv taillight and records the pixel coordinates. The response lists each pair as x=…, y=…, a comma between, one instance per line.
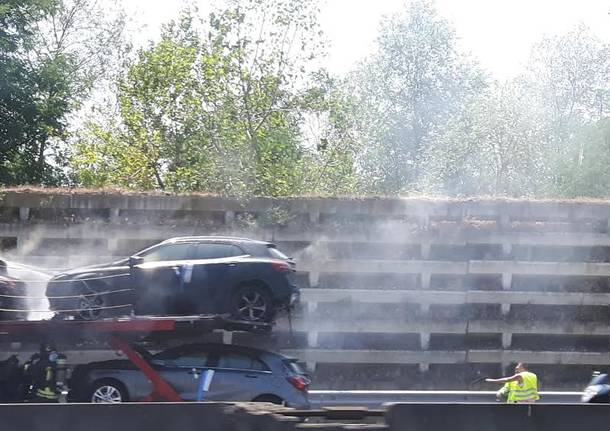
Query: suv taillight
x=299, y=382
x=281, y=266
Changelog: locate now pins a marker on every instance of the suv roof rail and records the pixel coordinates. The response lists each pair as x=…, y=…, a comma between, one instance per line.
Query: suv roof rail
x=211, y=238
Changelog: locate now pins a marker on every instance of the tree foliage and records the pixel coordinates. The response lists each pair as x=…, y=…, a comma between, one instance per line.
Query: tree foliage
x=407, y=92
x=235, y=103
x=569, y=73
x=497, y=146
x=218, y=108
x=29, y=115
x=51, y=54
x=569, y=76
x=584, y=171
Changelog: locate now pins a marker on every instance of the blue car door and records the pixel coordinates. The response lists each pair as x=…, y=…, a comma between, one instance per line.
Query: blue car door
x=239, y=377
x=182, y=370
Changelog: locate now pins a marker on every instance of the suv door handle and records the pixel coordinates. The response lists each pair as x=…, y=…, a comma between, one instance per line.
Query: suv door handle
x=251, y=376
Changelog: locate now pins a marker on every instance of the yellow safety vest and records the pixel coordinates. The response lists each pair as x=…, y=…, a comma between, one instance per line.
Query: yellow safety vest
x=526, y=391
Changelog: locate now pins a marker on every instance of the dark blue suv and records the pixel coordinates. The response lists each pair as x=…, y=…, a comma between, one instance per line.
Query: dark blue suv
x=250, y=280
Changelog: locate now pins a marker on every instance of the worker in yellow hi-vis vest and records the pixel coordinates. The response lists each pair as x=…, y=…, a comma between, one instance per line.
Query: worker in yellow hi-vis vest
x=522, y=387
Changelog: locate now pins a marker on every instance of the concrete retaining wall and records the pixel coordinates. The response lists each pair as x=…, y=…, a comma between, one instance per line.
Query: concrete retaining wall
x=413, y=287
x=89, y=417
x=219, y=417
x=155, y=417
x=499, y=417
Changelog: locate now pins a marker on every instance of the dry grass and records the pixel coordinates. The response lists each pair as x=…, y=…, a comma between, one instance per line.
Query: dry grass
x=414, y=198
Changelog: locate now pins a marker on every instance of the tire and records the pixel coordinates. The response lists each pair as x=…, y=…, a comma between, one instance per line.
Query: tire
x=252, y=303
x=107, y=391
x=94, y=307
x=272, y=399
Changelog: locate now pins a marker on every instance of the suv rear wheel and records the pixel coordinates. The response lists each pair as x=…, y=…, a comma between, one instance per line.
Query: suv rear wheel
x=252, y=303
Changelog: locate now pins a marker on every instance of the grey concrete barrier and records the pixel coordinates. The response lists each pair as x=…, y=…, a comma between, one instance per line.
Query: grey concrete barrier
x=497, y=417
x=136, y=417
x=494, y=280
x=171, y=417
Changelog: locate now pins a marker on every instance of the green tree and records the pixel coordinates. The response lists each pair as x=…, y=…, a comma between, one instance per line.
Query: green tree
x=568, y=75
x=534, y=136
x=330, y=146
x=585, y=171
x=497, y=146
x=27, y=116
x=217, y=107
x=407, y=92
x=51, y=54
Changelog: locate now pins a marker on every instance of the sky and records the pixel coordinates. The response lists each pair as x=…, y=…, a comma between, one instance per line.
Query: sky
x=499, y=33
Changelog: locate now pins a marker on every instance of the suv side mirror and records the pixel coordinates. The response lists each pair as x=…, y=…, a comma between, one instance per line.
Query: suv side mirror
x=135, y=260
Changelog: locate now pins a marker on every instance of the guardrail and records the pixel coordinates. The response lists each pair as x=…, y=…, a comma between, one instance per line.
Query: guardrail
x=427, y=357
x=334, y=324
x=380, y=296
x=375, y=399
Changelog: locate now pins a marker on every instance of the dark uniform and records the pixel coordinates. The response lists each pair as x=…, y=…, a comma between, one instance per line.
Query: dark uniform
x=11, y=379
x=44, y=377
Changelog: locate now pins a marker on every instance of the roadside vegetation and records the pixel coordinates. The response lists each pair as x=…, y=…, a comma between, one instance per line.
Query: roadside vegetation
x=238, y=103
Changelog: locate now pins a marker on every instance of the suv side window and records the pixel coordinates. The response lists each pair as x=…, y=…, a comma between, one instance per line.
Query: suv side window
x=215, y=251
x=238, y=361
x=169, y=252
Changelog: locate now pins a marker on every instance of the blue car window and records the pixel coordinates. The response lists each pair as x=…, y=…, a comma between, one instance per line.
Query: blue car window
x=602, y=379
x=241, y=362
x=193, y=359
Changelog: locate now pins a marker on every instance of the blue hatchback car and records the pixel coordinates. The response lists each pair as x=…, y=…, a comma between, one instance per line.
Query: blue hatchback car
x=240, y=374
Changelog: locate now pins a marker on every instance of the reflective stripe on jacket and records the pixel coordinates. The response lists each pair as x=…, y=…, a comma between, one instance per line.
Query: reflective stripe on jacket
x=47, y=393
x=525, y=391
